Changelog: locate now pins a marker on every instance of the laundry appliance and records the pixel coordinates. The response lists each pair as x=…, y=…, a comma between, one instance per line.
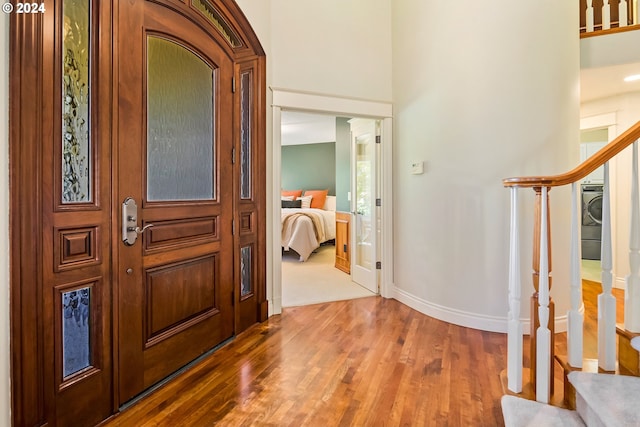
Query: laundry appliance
x=591, y=220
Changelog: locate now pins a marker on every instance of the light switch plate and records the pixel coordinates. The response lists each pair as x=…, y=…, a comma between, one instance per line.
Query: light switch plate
x=417, y=167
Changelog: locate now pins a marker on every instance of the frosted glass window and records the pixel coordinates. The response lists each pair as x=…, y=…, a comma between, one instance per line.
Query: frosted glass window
x=76, y=339
x=180, y=129
x=245, y=267
x=245, y=136
x=76, y=144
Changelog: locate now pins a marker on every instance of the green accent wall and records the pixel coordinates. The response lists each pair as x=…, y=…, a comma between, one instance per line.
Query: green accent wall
x=343, y=163
x=309, y=167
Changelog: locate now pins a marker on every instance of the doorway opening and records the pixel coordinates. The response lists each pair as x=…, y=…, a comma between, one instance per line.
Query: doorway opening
x=285, y=102
x=316, y=153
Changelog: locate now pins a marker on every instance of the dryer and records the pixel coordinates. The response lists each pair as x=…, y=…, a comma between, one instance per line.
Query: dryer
x=591, y=220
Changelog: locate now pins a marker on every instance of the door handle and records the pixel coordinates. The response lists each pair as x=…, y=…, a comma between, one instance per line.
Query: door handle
x=130, y=228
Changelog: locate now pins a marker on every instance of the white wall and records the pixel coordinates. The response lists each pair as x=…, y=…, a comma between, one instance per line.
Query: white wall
x=480, y=94
x=626, y=109
x=333, y=47
x=5, y=386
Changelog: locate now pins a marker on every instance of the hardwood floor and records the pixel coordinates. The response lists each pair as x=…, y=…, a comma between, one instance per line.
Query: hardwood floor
x=363, y=362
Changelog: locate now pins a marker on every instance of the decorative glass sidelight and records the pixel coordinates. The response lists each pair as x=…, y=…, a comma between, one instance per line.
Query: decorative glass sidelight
x=76, y=337
x=76, y=102
x=180, y=133
x=246, y=284
x=245, y=135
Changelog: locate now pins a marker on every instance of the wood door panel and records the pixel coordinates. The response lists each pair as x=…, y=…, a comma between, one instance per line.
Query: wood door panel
x=165, y=234
x=177, y=293
x=76, y=247
x=161, y=360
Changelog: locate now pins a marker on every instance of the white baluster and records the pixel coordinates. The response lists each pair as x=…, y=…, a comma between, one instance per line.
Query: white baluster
x=632, y=293
x=514, y=335
x=606, y=300
x=589, y=16
x=606, y=15
x=543, y=334
x=575, y=317
x=622, y=13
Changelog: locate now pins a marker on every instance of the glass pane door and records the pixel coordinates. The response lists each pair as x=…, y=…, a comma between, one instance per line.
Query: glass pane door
x=363, y=137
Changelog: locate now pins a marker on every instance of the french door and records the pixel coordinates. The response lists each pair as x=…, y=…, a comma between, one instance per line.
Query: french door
x=364, y=210
x=137, y=198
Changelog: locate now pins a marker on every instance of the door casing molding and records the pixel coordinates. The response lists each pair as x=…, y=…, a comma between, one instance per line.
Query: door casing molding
x=284, y=99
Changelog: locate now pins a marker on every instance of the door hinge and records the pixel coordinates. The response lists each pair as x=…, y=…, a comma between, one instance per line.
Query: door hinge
x=378, y=202
x=233, y=155
x=378, y=265
x=378, y=139
x=233, y=85
x=233, y=227
x=233, y=297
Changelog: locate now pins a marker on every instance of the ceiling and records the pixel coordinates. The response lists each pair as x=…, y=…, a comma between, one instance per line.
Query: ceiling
x=602, y=82
x=307, y=128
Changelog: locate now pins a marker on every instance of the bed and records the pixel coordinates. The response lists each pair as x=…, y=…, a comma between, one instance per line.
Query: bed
x=304, y=229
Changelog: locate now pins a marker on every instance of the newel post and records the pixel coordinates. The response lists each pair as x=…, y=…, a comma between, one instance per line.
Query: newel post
x=542, y=306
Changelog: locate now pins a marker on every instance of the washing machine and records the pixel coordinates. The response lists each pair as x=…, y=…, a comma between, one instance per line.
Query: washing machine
x=591, y=220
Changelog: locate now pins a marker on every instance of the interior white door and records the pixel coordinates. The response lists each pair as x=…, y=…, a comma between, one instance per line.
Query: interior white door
x=364, y=232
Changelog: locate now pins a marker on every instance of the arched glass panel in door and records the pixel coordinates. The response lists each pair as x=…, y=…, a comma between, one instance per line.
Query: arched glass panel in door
x=180, y=134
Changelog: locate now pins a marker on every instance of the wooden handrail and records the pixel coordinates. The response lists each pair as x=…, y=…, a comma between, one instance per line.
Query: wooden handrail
x=614, y=30
x=585, y=168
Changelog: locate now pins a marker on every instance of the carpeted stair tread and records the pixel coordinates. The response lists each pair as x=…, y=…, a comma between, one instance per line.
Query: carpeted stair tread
x=613, y=399
x=518, y=412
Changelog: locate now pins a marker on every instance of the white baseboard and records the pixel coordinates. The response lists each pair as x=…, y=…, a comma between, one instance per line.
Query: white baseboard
x=273, y=303
x=467, y=319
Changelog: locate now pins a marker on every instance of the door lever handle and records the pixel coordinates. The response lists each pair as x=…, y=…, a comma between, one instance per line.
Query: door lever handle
x=139, y=230
x=130, y=228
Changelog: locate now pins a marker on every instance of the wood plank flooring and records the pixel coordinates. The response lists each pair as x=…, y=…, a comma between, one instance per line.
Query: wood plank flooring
x=363, y=362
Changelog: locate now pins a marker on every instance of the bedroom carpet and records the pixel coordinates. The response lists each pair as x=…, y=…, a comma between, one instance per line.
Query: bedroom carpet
x=316, y=280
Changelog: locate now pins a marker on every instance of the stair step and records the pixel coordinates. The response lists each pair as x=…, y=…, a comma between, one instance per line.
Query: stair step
x=528, y=392
x=588, y=365
x=607, y=400
x=628, y=357
x=518, y=412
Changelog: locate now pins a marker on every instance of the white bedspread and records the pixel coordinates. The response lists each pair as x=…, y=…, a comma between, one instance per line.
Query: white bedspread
x=299, y=233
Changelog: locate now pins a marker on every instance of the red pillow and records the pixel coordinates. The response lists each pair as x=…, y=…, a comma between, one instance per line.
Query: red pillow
x=294, y=193
x=319, y=196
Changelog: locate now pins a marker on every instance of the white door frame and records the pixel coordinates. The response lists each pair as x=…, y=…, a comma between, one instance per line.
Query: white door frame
x=283, y=99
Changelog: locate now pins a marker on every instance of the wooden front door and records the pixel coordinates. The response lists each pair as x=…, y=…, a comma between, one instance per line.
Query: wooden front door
x=174, y=147
x=137, y=198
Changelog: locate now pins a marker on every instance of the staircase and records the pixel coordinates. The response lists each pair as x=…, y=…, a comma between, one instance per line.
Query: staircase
x=605, y=390
x=586, y=395
x=598, y=383
x=601, y=400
